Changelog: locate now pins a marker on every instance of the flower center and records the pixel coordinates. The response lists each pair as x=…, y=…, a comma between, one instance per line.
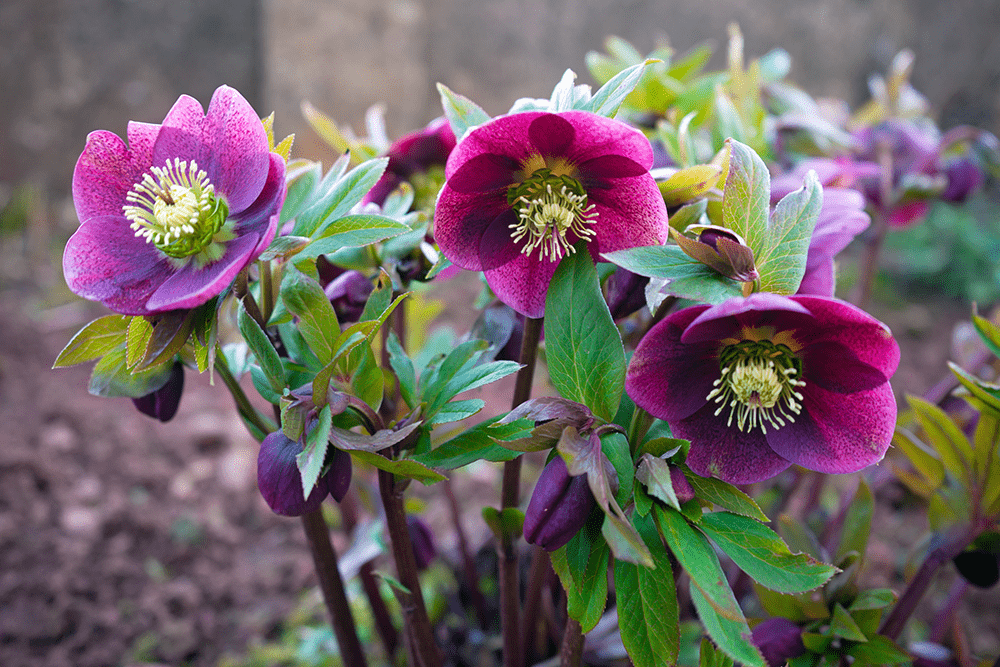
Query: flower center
x=175, y=208
x=759, y=385
x=550, y=209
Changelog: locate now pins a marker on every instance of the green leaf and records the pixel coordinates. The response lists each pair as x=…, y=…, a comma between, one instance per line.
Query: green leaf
x=351, y=231
x=462, y=113
x=310, y=460
x=584, y=351
x=842, y=625
x=713, y=598
x=920, y=456
x=878, y=651
x=746, y=197
x=945, y=436
x=301, y=185
x=474, y=444
x=724, y=495
x=93, y=341
x=781, y=259
x=759, y=552
x=709, y=657
x=685, y=277
x=170, y=334
x=985, y=440
x=409, y=468
x=582, y=566
x=334, y=199
x=112, y=378
x=318, y=324
x=654, y=472
x=607, y=100
x=988, y=394
x=648, y=614
x=875, y=598
x=402, y=366
x=989, y=332
x=263, y=350
x=857, y=522
x=136, y=339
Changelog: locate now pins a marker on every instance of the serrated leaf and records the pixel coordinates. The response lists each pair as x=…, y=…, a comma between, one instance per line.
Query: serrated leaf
x=684, y=277
x=842, y=625
x=112, y=378
x=318, y=324
x=474, y=444
x=724, y=495
x=654, y=472
x=746, y=197
x=136, y=339
x=462, y=113
x=708, y=656
x=713, y=598
x=457, y=411
x=584, y=351
x=408, y=468
x=310, y=460
x=582, y=566
x=283, y=247
x=945, y=437
x=338, y=198
x=758, y=551
x=781, y=258
x=609, y=97
x=351, y=231
x=648, y=615
x=94, y=340
x=263, y=350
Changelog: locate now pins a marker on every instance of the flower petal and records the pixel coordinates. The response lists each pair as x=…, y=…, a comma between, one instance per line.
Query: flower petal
x=107, y=170
x=870, y=340
x=484, y=173
x=725, y=451
x=522, y=283
x=105, y=261
x=667, y=378
x=191, y=286
x=551, y=134
x=630, y=215
x=461, y=220
x=755, y=311
x=838, y=433
x=835, y=367
x=597, y=136
x=229, y=143
x=505, y=136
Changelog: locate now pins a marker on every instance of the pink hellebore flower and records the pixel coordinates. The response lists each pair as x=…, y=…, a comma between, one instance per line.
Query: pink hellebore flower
x=168, y=220
x=761, y=382
x=414, y=153
x=841, y=218
x=521, y=190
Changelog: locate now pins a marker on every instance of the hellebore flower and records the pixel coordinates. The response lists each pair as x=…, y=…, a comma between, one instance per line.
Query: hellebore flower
x=761, y=382
x=411, y=155
x=841, y=218
x=280, y=481
x=559, y=506
x=522, y=189
x=162, y=404
x=779, y=640
x=168, y=220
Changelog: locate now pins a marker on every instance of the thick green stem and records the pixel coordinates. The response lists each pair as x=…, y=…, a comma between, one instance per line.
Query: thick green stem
x=246, y=410
x=328, y=573
x=510, y=607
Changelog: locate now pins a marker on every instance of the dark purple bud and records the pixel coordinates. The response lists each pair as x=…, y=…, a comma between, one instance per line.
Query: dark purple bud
x=964, y=178
x=414, y=153
x=979, y=567
x=503, y=328
x=338, y=479
x=423, y=541
x=682, y=487
x=721, y=249
x=348, y=293
x=626, y=293
x=559, y=506
x=929, y=654
x=279, y=480
x=162, y=404
x=779, y=640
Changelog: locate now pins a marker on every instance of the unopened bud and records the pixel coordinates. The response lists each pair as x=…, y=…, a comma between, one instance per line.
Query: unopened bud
x=279, y=480
x=422, y=539
x=779, y=640
x=964, y=178
x=338, y=480
x=721, y=249
x=162, y=404
x=559, y=506
x=349, y=293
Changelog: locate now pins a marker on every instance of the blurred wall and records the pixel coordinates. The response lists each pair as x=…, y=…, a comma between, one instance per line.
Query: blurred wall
x=70, y=66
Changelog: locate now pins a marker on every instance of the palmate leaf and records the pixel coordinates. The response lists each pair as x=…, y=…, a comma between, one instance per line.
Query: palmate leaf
x=585, y=354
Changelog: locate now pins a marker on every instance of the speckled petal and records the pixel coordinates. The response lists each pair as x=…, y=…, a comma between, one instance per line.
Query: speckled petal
x=551, y=134
x=461, y=220
x=522, y=283
x=838, y=433
x=598, y=137
x=107, y=169
x=630, y=215
x=105, y=261
x=725, y=451
x=483, y=174
x=870, y=340
x=505, y=136
x=667, y=378
x=262, y=216
x=757, y=310
x=229, y=143
x=191, y=286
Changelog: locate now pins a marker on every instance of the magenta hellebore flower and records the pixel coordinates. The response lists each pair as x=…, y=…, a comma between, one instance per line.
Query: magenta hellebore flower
x=522, y=189
x=168, y=220
x=841, y=218
x=414, y=153
x=761, y=382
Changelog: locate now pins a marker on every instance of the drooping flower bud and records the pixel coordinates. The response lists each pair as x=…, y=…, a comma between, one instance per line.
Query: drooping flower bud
x=423, y=541
x=778, y=640
x=626, y=293
x=338, y=480
x=559, y=506
x=964, y=178
x=349, y=293
x=979, y=567
x=279, y=480
x=682, y=487
x=162, y=404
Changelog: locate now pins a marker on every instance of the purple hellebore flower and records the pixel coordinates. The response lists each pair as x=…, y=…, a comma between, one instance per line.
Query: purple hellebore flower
x=778, y=640
x=522, y=189
x=168, y=220
x=280, y=482
x=414, y=153
x=559, y=506
x=841, y=218
x=761, y=382
x=162, y=404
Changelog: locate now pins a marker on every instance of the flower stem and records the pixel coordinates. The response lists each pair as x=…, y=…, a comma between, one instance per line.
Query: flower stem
x=539, y=572
x=250, y=415
x=510, y=612
x=571, y=651
x=869, y=263
x=893, y=624
x=468, y=564
x=325, y=560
